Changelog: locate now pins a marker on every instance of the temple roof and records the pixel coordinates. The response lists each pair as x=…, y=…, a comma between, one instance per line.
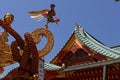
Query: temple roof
x=94, y=44
x=113, y=53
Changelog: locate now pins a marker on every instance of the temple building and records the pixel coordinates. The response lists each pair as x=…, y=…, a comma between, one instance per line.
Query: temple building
x=84, y=58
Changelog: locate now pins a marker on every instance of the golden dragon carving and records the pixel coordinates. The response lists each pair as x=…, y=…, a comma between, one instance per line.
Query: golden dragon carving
x=11, y=53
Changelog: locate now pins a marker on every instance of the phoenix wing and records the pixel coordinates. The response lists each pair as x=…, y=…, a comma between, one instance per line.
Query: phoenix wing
x=39, y=15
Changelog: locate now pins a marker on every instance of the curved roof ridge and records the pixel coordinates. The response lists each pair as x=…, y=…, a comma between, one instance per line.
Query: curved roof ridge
x=62, y=46
x=102, y=44
x=91, y=42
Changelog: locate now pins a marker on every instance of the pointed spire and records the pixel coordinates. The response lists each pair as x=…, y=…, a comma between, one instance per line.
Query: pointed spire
x=80, y=29
x=76, y=26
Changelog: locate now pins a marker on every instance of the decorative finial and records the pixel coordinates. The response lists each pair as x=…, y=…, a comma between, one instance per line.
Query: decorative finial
x=80, y=29
x=63, y=65
x=76, y=26
x=45, y=13
x=8, y=18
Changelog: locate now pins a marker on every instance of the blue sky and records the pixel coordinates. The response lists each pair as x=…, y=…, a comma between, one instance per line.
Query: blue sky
x=100, y=18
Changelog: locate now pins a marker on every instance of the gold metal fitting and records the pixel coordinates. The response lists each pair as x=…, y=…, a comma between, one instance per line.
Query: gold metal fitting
x=8, y=18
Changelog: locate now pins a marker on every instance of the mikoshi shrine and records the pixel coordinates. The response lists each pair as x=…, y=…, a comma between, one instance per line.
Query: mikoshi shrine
x=82, y=57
